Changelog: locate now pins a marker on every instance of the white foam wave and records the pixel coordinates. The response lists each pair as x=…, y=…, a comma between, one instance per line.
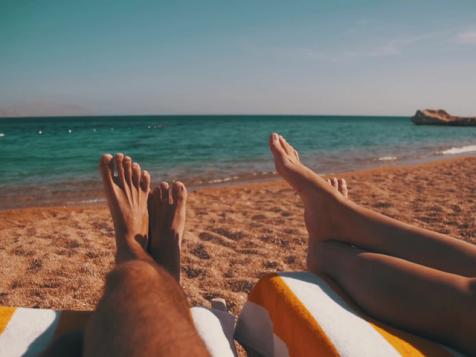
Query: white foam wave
x=459, y=150
x=215, y=181
x=95, y=200
x=221, y=180
x=2, y=135
x=387, y=158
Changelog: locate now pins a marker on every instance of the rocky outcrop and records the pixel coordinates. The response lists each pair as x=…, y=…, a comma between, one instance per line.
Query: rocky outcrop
x=441, y=117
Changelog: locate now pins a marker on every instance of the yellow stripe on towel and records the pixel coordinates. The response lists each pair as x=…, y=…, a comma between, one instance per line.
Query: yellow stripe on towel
x=410, y=345
x=298, y=326
x=6, y=314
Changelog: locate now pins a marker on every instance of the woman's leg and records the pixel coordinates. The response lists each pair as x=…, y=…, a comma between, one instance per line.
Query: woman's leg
x=329, y=215
x=414, y=297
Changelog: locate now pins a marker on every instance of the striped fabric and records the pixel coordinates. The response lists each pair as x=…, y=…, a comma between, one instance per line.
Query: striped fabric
x=301, y=314
x=27, y=332
x=287, y=314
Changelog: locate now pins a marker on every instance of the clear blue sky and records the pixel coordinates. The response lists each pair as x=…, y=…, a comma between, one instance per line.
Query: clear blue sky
x=257, y=56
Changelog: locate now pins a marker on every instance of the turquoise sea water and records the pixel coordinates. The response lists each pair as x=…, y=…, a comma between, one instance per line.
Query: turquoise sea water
x=54, y=159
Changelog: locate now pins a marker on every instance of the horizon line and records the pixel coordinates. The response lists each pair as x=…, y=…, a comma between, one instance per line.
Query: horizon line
x=196, y=115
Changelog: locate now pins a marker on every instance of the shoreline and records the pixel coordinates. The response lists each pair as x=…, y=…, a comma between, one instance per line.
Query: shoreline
x=58, y=256
x=53, y=161
x=94, y=195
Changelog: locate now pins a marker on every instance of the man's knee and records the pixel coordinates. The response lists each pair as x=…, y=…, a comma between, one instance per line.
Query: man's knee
x=132, y=272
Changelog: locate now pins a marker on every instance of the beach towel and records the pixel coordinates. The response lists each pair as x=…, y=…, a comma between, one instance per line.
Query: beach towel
x=301, y=314
x=27, y=332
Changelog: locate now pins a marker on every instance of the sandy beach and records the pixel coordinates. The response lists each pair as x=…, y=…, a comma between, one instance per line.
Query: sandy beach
x=57, y=257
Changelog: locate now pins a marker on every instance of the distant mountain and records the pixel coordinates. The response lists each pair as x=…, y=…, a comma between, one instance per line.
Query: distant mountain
x=41, y=109
x=441, y=117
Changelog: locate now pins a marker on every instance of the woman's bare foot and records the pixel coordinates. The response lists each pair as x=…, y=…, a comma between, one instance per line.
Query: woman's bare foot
x=167, y=209
x=126, y=195
x=321, y=200
x=340, y=185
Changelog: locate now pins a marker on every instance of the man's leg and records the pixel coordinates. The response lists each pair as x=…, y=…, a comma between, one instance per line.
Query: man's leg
x=167, y=211
x=329, y=215
x=143, y=311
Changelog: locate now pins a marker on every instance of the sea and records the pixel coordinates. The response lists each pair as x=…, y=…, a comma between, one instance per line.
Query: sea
x=53, y=160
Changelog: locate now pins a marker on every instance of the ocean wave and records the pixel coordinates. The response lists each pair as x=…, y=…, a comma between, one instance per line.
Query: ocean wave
x=93, y=200
x=2, y=135
x=459, y=150
x=387, y=158
x=221, y=180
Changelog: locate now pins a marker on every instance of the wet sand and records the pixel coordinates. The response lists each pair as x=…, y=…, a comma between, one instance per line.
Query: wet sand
x=57, y=257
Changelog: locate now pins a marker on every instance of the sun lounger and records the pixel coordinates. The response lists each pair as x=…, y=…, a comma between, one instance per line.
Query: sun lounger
x=301, y=314
x=27, y=332
x=287, y=314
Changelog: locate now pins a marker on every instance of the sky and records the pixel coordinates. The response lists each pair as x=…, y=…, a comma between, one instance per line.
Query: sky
x=355, y=57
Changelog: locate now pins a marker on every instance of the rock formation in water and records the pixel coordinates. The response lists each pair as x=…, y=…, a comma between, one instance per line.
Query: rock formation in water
x=441, y=117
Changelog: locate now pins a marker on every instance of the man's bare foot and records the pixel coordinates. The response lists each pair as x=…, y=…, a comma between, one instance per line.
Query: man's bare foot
x=167, y=209
x=126, y=194
x=340, y=185
x=321, y=200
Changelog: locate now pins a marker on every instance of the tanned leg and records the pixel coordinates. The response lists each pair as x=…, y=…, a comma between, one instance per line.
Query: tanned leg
x=414, y=297
x=167, y=208
x=143, y=311
x=328, y=215
x=424, y=281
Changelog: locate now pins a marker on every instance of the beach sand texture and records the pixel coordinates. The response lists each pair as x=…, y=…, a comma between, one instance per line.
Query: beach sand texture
x=57, y=257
